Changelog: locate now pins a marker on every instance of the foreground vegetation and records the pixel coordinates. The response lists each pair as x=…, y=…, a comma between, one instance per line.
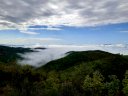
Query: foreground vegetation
x=87, y=73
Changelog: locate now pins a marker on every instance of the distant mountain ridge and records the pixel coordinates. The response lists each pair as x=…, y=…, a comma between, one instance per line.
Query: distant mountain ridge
x=42, y=48
x=10, y=54
x=73, y=57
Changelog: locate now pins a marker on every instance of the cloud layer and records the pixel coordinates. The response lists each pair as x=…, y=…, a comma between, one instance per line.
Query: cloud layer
x=58, y=51
x=21, y=14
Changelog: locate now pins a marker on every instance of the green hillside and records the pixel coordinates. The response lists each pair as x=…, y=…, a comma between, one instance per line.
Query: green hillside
x=73, y=58
x=76, y=67
x=85, y=73
x=104, y=62
x=10, y=54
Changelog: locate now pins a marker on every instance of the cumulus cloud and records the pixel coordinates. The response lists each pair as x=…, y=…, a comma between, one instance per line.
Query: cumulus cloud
x=24, y=13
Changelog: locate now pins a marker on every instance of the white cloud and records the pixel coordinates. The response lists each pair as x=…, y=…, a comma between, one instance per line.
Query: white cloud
x=48, y=28
x=58, y=51
x=23, y=13
x=30, y=33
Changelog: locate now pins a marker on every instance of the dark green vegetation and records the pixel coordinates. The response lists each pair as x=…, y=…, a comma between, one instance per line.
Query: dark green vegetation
x=10, y=54
x=87, y=73
x=42, y=48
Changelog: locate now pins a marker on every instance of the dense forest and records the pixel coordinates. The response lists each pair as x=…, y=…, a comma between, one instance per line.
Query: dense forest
x=10, y=54
x=85, y=73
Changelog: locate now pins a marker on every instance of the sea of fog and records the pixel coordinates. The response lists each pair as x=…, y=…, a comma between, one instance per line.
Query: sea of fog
x=41, y=57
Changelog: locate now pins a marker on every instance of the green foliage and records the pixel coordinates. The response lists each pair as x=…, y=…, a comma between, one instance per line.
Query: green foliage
x=125, y=83
x=87, y=73
x=75, y=58
x=10, y=54
x=94, y=85
x=113, y=85
x=21, y=81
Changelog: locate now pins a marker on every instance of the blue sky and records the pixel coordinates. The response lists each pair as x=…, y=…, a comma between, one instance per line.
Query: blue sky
x=67, y=22
x=106, y=34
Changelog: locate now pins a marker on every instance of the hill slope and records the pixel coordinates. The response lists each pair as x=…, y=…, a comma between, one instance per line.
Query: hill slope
x=90, y=72
x=77, y=67
x=85, y=73
x=73, y=58
x=10, y=54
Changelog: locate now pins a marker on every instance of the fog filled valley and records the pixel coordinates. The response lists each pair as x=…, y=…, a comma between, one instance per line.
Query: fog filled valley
x=63, y=47
x=43, y=55
x=64, y=71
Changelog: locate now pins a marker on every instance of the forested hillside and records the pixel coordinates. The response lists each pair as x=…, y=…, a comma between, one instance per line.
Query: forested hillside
x=10, y=54
x=85, y=73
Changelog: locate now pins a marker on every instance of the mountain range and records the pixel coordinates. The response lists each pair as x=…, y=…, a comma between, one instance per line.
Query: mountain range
x=83, y=73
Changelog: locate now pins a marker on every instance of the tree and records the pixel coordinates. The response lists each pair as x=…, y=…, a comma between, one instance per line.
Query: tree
x=112, y=86
x=52, y=84
x=125, y=84
x=94, y=85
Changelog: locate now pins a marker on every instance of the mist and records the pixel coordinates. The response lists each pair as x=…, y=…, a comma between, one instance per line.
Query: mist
x=41, y=57
x=53, y=52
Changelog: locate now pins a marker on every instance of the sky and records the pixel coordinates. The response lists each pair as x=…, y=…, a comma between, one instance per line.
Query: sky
x=63, y=22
